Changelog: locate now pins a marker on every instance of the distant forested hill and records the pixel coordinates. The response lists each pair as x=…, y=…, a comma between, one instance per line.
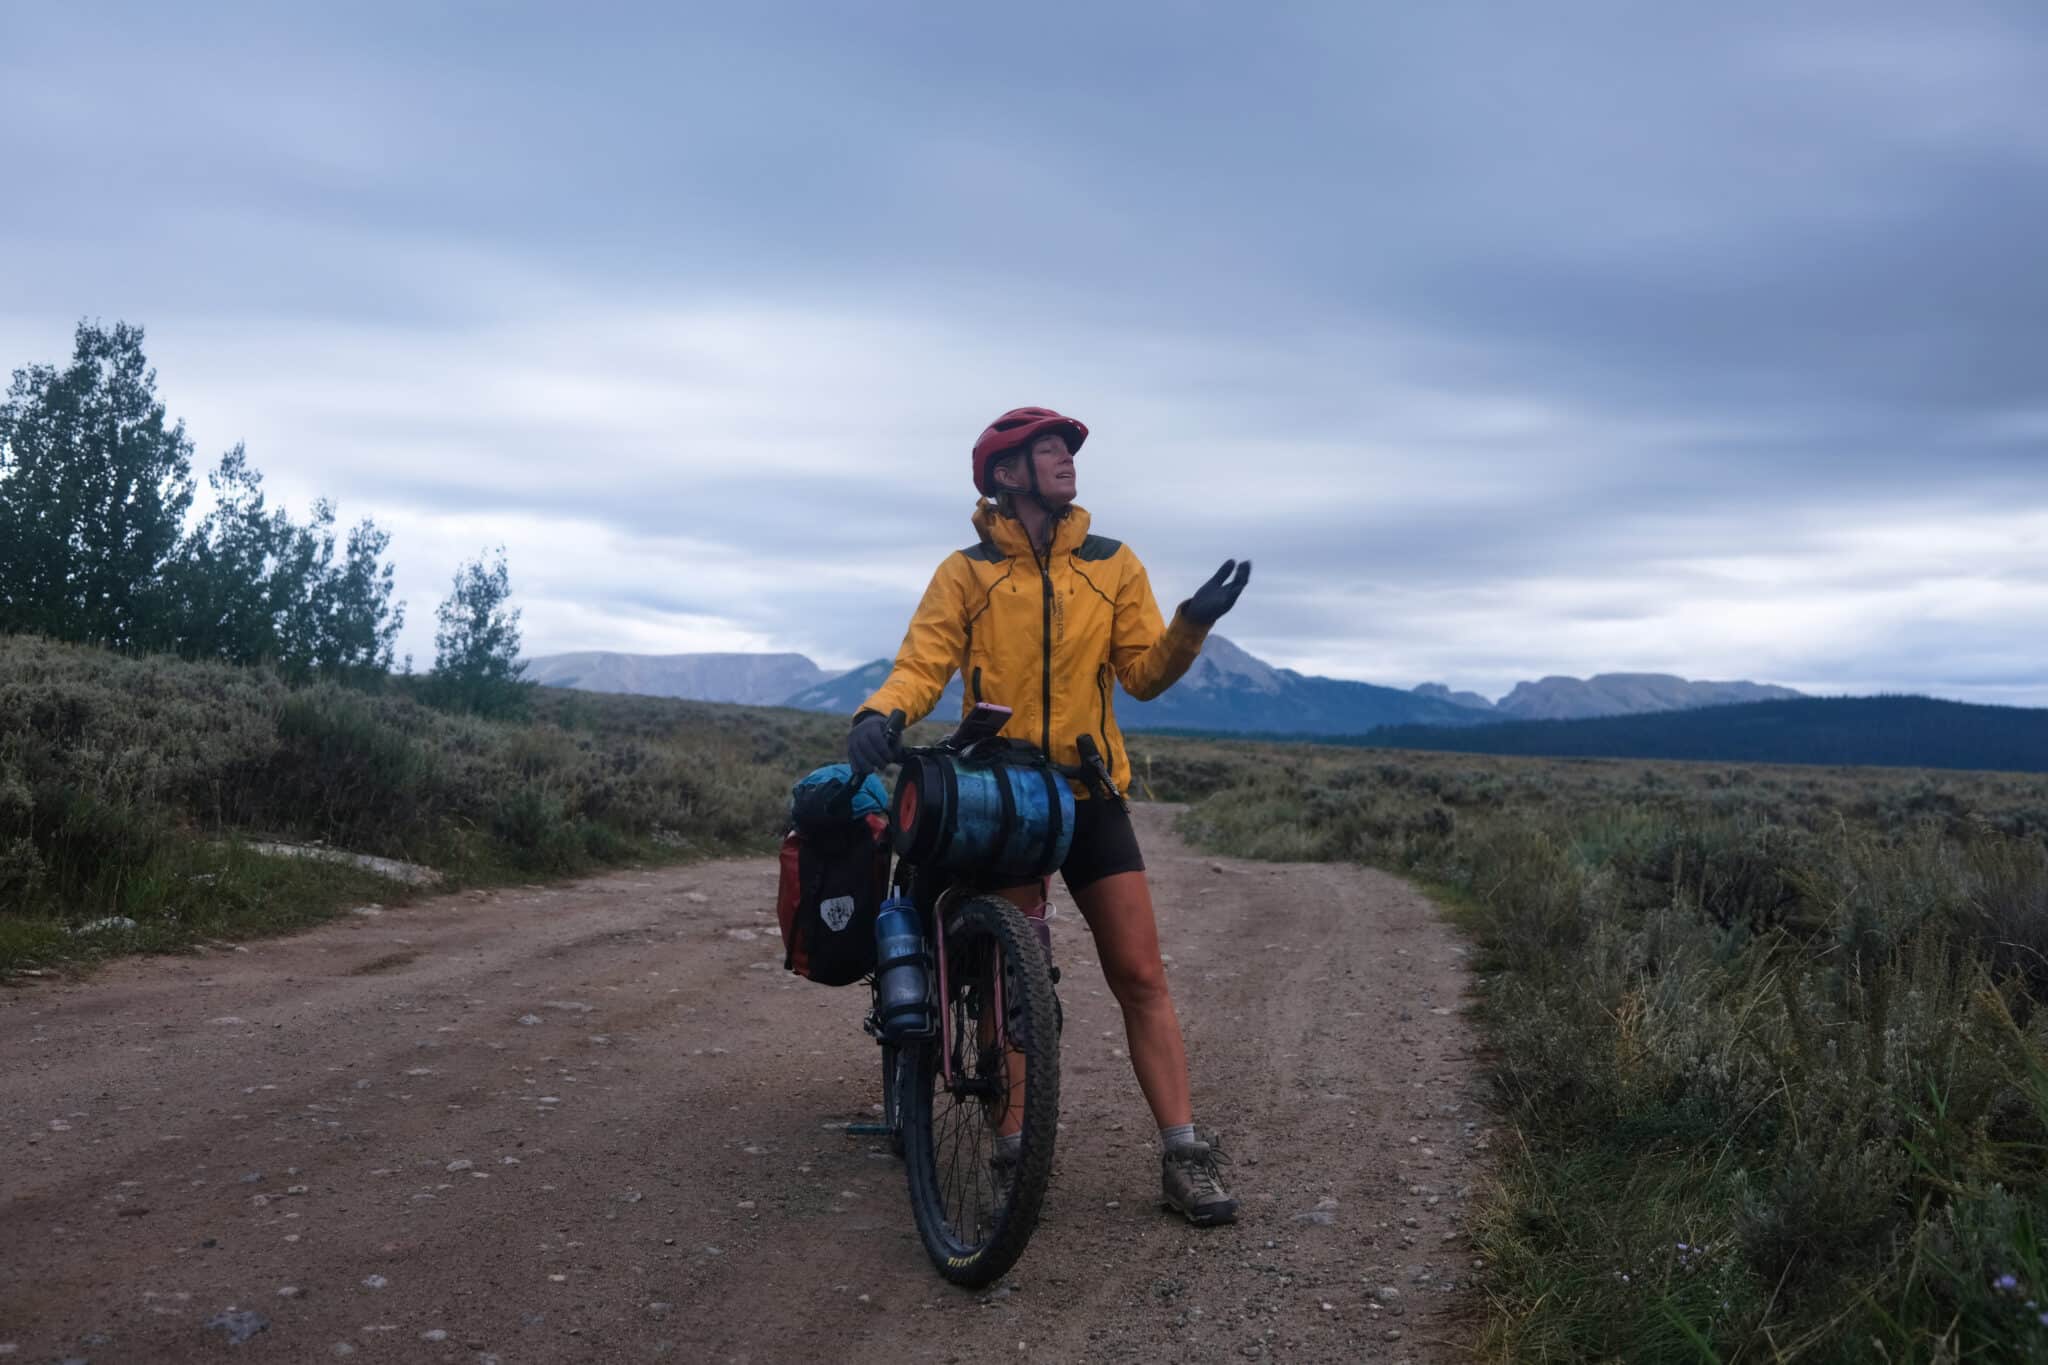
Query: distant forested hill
x=1917, y=732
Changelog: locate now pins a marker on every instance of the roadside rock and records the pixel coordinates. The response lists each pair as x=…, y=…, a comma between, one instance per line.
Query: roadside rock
x=411, y=874
x=237, y=1324
x=112, y=924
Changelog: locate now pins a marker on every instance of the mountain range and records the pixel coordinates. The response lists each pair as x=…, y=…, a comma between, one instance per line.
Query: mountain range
x=1607, y=694
x=751, y=679
x=1227, y=689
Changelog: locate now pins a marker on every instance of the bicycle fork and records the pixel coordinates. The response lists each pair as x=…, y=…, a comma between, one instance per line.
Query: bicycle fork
x=1040, y=916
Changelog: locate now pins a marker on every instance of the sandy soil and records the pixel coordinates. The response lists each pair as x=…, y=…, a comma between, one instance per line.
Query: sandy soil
x=597, y=1121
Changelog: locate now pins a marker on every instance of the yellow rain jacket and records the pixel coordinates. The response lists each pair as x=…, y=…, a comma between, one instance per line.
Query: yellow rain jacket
x=1047, y=638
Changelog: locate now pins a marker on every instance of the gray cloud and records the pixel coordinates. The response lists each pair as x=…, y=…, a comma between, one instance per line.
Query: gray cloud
x=1506, y=342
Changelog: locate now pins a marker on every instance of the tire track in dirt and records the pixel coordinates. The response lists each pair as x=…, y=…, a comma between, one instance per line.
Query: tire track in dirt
x=597, y=1121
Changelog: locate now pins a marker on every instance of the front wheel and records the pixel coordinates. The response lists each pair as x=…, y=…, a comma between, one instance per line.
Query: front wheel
x=994, y=1067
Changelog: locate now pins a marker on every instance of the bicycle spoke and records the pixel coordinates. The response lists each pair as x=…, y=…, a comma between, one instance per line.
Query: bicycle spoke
x=955, y=1198
x=969, y=1129
x=950, y=1180
x=949, y=1144
x=968, y=1196
x=960, y=1115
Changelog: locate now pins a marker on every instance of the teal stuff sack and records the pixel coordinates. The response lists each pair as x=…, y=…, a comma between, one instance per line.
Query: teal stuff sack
x=820, y=798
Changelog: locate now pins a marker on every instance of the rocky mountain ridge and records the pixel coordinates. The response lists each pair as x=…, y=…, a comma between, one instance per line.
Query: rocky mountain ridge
x=1608, y=694
x=753, y=679
x=1227, y=689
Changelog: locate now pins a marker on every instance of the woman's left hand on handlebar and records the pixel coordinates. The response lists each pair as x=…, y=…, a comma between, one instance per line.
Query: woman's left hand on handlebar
x=1218, y=595
x=872, y=745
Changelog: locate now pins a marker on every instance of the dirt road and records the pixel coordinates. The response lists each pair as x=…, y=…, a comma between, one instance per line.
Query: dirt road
x=597, y=1121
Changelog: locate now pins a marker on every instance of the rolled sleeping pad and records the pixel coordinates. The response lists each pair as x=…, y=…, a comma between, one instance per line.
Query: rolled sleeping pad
x=996, y=820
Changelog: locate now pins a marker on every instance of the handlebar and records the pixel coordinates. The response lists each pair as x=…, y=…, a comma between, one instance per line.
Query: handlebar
x=896, y=724
x=984, y=723
x=977, y=728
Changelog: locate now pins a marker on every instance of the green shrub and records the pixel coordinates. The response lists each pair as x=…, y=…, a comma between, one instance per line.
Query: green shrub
x=349, y=769
x=1771, y=1044
x=123, y=778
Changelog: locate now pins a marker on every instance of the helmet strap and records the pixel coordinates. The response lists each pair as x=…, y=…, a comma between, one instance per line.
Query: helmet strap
x=1052, y=514
x=1031, y=473
x=1006, y=498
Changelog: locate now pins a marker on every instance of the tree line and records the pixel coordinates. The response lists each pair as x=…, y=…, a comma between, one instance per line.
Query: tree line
x=1888, y=731
x=98, y=546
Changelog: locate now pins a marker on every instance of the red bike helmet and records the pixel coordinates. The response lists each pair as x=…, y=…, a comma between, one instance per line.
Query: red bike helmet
x=1017, y=429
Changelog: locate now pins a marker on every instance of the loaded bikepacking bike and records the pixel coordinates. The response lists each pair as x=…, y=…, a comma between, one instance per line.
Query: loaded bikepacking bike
x=963, y=1003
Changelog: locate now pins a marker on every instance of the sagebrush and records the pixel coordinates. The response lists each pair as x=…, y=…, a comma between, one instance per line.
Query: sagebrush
x=1769, y=1044
x=128, y=784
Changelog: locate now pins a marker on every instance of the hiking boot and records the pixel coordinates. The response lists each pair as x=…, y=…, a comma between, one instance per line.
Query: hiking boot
x=1191, y=1184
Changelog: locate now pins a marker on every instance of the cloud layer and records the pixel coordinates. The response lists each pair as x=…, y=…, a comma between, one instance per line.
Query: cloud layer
x=1593, y=339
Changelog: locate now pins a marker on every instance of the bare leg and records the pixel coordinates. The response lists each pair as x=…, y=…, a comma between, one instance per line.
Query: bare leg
x=1119, y=913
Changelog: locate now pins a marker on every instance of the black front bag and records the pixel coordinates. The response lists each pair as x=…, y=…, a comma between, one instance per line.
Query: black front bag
x=842, y=874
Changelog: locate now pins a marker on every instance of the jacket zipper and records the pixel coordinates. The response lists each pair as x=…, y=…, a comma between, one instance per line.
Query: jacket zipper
x=1045, y=659
x=1108, y=745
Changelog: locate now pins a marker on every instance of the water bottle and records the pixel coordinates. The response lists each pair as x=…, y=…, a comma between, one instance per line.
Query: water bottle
x=902, y=973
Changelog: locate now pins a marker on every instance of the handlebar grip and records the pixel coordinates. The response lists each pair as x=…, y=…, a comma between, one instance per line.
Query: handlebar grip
x=897, y=720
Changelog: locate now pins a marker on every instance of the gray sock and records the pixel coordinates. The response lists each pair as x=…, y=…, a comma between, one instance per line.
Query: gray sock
x=1009, y=1146
x=1177, y=1136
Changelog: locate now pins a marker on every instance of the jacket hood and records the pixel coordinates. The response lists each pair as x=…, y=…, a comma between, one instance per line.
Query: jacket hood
x=1008, y=535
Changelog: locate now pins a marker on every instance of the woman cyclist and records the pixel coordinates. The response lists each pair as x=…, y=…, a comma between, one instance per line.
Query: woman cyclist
x=1045, y=618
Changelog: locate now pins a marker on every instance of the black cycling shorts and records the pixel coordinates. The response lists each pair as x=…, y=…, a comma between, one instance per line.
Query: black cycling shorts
x=1104, y=845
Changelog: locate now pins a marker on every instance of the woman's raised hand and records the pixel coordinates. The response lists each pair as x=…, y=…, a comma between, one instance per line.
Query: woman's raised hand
x=1218, y=595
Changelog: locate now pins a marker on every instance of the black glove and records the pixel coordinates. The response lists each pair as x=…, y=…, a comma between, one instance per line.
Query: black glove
x=872, y=745
x=1218, y=595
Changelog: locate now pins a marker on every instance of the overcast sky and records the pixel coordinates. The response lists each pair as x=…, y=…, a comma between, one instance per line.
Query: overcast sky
x=1507, y=340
